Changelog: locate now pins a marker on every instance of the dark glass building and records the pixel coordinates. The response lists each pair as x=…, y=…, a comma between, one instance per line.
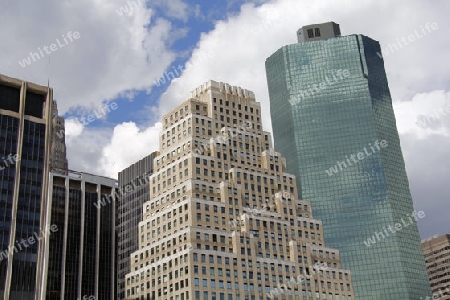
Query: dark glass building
x=81, y=255
x=333, y=119
x=134, y=191
x=25, y=116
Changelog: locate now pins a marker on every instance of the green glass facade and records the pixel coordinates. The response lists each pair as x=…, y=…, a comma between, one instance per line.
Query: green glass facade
x=330, y=104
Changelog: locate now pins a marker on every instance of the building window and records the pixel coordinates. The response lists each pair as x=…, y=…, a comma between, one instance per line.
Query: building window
x=316, y=32
x=310, y=33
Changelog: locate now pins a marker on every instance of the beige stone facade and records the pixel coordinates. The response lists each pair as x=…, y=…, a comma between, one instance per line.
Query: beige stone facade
x=223, y=220
x=437, y=259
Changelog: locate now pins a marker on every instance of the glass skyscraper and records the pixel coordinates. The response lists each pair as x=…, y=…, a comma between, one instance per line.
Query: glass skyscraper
x=333, y=120
x=25, y=115
x=80, y=258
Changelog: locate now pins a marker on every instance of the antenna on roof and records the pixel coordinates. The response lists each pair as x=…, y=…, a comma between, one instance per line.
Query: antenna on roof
x=48, y=77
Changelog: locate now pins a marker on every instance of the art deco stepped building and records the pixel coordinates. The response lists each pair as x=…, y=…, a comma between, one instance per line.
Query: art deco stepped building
x=330, y=101
x=437, y=258
x=222, y=221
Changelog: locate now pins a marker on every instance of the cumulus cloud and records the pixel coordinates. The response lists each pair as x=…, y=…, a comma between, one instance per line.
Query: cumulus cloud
x=243, y=42
x=121, y=55
x=117, y=55
x=426, y=114
x=128, y=144
x=84, y=151
x=73, y=128
x=417, y=73
x=114, y=55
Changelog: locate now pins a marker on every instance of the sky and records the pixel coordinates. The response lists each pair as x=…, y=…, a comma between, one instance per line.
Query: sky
x=117, y=66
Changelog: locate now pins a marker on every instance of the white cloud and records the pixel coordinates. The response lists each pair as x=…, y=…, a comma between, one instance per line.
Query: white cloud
x=124, y=54
x=128, y=144
x=84, y=151
x=106, y=152
x=418, y=71
x=114, y=54
x=427, y=114
x=73, y=128
x=243, y=42
x=177, y=9
x=236, y=49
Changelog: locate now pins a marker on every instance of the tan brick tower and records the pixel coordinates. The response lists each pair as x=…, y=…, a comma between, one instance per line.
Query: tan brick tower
x=224, y=221
x=437, y=258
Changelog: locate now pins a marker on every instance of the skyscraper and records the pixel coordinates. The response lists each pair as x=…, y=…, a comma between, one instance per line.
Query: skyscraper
x=223, y=220
x=25, y=118
x=80, y=257
x=58, y=153
x=134, y=180
x=332, y=118
x=437, y=259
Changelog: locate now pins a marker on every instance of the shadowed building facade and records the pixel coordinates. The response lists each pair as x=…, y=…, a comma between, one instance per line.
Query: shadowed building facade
x=330, y=106
x=223, y=221
x=80, y=258
x=25, y=121
x=134, y=180
x=58, y=154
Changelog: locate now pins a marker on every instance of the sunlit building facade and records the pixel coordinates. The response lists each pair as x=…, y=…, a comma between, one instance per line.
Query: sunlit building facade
x=437, y=259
